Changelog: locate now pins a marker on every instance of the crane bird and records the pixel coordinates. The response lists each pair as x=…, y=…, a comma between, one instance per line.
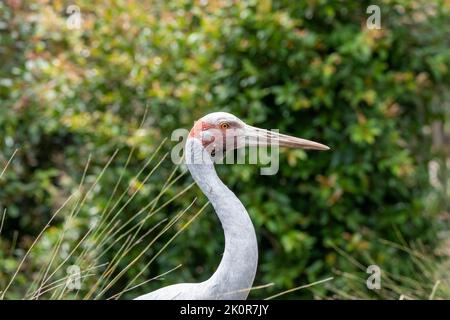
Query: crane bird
x=234, y=276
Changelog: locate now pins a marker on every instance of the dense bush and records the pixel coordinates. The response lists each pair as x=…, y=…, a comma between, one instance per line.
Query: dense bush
x=309, y=68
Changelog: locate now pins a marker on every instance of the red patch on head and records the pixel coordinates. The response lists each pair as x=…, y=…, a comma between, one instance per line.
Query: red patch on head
x=198, y=127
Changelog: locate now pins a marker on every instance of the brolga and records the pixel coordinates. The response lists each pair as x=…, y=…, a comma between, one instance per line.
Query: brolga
x=209, y=140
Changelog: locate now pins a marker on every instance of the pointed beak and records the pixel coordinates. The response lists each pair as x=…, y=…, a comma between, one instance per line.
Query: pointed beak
x=261, y=137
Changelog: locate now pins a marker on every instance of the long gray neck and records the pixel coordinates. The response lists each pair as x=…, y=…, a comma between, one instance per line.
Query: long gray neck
x=236, y=272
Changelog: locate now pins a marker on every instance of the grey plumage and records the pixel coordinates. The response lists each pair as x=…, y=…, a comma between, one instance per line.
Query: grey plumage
x=237, y=269
x=234, y=276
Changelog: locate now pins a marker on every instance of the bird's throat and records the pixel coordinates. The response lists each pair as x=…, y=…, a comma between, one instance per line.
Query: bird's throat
x=236, y=272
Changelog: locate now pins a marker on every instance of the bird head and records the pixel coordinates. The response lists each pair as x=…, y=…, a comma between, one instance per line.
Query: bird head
x=222, y=131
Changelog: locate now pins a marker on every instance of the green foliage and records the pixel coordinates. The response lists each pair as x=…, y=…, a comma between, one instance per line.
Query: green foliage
x=309, y=68
x=427, y=278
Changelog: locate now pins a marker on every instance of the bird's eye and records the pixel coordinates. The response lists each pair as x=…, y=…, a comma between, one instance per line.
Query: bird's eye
x=224, y=125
